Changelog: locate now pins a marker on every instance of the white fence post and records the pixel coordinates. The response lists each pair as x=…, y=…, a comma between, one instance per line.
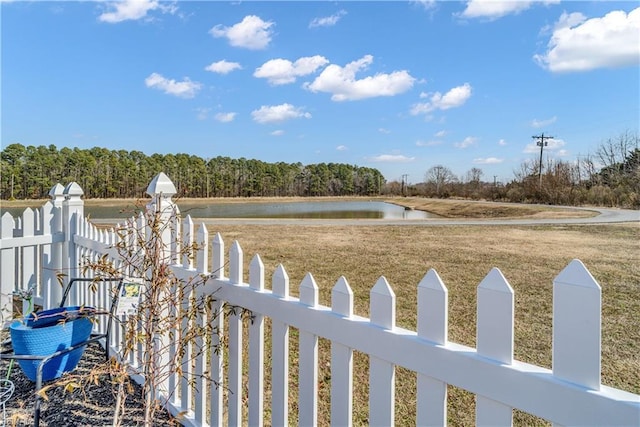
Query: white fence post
x=308, y=366
x=494, y=340
x=382, y=373
x=161, y=190
x=341, y=360
x=432, y=325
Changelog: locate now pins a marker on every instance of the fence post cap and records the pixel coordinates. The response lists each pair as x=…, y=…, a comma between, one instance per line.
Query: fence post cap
x=56, y=190
x=73, y=189
x=161, y=184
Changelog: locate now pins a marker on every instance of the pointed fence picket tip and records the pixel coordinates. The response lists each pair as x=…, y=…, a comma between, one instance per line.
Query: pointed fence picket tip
x=280, y=280
x=576, y=274
x=495, y=313
x=433, y=307
x=309, y=291
x=256, y=273
x=432, y=280
x=342, y=298
x=495, y=281
x=383, y=304
x=383, y=288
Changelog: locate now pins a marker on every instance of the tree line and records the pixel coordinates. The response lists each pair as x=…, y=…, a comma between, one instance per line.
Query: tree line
x=608, y=177
x=29, y=172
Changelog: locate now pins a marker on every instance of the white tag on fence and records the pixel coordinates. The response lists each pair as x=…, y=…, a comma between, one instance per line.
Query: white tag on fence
x=129, y=297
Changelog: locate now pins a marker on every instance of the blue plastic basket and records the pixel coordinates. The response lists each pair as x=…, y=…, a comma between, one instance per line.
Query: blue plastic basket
x=46, y=340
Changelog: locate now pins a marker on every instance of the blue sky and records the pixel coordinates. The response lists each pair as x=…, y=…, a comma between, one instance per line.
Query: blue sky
x=398, y=86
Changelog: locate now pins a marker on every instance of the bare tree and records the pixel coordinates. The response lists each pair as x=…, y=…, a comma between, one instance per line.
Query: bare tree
x=439, y=177
x=474, y=175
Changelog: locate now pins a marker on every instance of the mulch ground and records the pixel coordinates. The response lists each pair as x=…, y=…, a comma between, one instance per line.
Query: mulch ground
x=92, y=405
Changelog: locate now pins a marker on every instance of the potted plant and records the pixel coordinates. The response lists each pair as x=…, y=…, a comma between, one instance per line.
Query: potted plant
x=41, y=334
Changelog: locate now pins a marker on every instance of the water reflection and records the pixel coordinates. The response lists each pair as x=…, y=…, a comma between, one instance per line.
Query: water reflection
x=275, y=210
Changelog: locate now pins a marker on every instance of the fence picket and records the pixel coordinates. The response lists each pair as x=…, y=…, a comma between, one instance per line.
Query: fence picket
x=29, y=260
x=341, y=360
x=494, y=340
x=217, y=259
x=280, y=355
x=187, y=242
x=382, y=373
x=216, y=363
x=432, y=325
x=308, y=365
x=256, y=349
x=7, y=264
x=577, y=326
x=235, y=339
x=202, y=255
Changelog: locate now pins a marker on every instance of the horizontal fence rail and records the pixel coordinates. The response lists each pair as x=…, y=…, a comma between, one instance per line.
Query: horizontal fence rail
x=210, y=390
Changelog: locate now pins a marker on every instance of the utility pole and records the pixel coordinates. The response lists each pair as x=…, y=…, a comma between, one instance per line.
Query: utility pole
x=404, y=183
x=541, y=143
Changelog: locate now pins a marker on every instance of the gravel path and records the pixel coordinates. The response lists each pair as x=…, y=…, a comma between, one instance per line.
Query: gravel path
x=92, y=406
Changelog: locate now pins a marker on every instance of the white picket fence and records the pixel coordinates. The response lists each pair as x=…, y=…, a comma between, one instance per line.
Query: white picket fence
x=568, y=394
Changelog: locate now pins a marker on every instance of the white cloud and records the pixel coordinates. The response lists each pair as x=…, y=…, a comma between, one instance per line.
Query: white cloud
x=278, y=113
x=183, y=89
x=552, y=145
x=342, y=148
x=223, y=67
x=341, y=82
x=391, y=158
x=580, y=44
x=494, y=9
x=252, y=33
x=487, y=161
x=383, y=130
x=467, y=142
x=225, y=117
x=283, y=71
x=327, y=21
x=440, y=134
x=502, y=142
x=126, y=10
x=535, y=123
x=427, y=143
x=278, y=132
x=456, y=97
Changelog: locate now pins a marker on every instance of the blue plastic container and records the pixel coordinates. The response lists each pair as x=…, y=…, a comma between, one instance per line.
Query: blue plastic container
x=46, y=340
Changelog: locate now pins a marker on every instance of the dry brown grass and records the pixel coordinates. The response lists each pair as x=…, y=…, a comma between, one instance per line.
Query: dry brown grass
x=453, y=208
x=529, y=257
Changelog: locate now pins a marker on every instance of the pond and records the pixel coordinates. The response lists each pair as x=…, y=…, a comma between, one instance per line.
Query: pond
x=274, y=210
